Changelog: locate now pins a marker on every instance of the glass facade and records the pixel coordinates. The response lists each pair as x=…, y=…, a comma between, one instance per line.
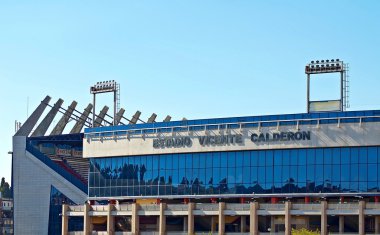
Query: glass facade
x=312, y=170
x=55, y=219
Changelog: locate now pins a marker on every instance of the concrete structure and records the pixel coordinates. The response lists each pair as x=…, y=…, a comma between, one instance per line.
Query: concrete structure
x=241, y=175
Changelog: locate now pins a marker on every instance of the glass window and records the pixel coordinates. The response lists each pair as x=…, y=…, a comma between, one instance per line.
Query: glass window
x=293, y=157
x=363, y=158
x=239, y=159
x=319, y=156
x=372, y=155
x=336, y=155
x=345, y=156
x=354, y=155
x=327, y=157
x=302, y=157
x=261, y=158
x=310, y=156
x=278, y=157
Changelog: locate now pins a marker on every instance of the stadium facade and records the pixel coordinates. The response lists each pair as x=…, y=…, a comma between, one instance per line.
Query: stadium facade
x=227, y=175
x=239, y=175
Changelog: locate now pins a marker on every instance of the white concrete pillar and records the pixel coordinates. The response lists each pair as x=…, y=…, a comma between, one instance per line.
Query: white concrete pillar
x=213, y=223
x=87, y=220
x=110, y=220
x=185, y=220
x=162, y=218
x=135, y=219
x=243, y=224
x=341, y=224
x=221, y=218
x=288, y=218
x=361, y=218
x=253, y=218
x=190, y=218
x=377, y=224
x=323, y=218
x=65, y=219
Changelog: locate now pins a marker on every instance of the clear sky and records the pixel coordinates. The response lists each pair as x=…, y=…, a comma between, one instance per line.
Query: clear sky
x=193, y=59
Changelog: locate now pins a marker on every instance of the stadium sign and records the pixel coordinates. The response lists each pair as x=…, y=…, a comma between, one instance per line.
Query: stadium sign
x=281, y=136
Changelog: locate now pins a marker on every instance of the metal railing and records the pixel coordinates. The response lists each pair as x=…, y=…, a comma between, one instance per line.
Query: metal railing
x=276, y=207
x=306, y=206
x=174, y=207
x=228, y=126
x=343, y=206
x=76, y=208
x=207, y=207
x=238, y=206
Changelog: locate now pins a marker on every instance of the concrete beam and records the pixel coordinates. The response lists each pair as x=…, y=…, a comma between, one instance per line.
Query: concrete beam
x=323, y=218
x=361, y=218
x=190, y=218
x=119, y=115
x=152, y=118
x=162, y=220
x=253, y=218
x=167, y=119
x=27, y=127
x=135, y=117
x=110, y=221
x=100, y=117
x=221, y=222
x=58, y=129
x=65, y=220
x=80, y=123
x=87, y=220
x=44, y=125
x=135, y=220
x=288, y=218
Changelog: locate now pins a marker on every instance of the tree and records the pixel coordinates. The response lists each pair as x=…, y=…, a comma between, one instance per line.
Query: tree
x=304, y=231
x=5, y=189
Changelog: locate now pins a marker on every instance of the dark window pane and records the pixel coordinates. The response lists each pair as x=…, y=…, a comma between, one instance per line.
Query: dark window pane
x=372, y=155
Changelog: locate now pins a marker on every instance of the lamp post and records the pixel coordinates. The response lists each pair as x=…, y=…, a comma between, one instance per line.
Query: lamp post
x=104, y=87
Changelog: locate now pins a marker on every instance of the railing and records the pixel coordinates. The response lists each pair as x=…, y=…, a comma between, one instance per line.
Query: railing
x=48, y=162
x=99, y=208
x=76, y=208
x=207, y=207
x=275, y=207
x=99, y=135
x=343, y=206
x=123, y=207
x=174, y=207
x=150, y=207
x=371, y=205
x=238, y=206
x=306, y=206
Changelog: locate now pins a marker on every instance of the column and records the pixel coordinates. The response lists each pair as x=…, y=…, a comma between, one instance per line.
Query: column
x=185, y=223
x=253, y=218
x=162, y=224
x=190, y=219
x=323, y=218
x=213, y=223
x=361, y=218
x=110, y=220
x=341, y=224
x=135, y=219
x=65, y=220
x=86, y=221
x=377, y=225
x=221, y=218
x=243, y=224
x=288, y=218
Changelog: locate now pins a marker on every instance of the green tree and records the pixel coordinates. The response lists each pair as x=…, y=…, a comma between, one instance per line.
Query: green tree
x=304, y=231
x=5, y=189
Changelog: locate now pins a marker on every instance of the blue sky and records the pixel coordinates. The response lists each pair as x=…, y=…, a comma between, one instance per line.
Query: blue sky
x=193, y=59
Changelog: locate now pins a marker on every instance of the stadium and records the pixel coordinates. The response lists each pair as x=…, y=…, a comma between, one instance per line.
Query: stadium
x=239, y=175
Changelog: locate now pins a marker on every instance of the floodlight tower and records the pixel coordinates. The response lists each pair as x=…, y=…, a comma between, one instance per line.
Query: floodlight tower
x=328, y=66
x=105, y=87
